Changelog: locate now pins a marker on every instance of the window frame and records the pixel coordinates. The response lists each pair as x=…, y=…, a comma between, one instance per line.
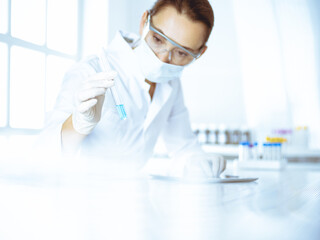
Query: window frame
x=11, y=41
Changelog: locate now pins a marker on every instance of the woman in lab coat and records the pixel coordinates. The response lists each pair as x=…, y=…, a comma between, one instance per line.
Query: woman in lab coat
x=146, y=70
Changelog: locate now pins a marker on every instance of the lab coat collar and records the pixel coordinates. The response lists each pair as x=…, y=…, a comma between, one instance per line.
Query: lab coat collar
x=123, y=44
x=161, y=96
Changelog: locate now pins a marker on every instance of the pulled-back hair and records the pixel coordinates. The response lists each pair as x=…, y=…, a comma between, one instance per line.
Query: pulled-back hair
x=196, y=10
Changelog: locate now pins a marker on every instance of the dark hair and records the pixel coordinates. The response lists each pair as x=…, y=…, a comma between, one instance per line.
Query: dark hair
x=196, y=10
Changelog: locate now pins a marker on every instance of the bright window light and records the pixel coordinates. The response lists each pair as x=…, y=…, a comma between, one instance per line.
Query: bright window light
x=3, y=83
x=260, y=49
x=27, y=88
x=28, y=20
x=3, y=16
x=22, y=142
x=35, y=71
x=56, y=68
x=97, y=36
x=4, y=146
x=62, y=25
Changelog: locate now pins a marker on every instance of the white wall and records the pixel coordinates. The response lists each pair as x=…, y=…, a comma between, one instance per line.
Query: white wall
x=213, y=84
x=95, y=26
x=126, y=15
x=315, y=16
x=277, y=44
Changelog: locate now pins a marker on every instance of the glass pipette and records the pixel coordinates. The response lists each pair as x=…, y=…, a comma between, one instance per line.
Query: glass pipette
x=114, y=93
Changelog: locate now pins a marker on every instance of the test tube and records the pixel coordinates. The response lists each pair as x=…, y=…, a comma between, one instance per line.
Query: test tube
x=255, y=152
x=278, y=152
x=267, y=151
x=244, y=151
x=114, y=93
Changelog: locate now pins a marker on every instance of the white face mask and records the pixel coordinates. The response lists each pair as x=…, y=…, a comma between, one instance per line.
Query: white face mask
x=153, y=68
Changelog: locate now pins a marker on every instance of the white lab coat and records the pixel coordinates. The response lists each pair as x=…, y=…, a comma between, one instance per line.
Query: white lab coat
x=132, y=140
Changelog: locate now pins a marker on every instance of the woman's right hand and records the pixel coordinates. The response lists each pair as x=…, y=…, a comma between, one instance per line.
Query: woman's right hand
x=89, y=101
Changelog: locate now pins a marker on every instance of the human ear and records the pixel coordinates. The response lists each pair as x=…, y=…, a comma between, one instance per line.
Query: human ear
x=203, y=50
x=143, y=21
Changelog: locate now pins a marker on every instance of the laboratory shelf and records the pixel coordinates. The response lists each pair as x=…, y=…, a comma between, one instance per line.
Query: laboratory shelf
x=231, y=151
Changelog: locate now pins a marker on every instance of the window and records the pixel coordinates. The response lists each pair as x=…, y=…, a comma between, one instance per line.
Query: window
x=62, y=34
x=3, y=16
x=279, y=65
x=28, y=20
x=26, y=88
x=3, y=83
x=39, y=40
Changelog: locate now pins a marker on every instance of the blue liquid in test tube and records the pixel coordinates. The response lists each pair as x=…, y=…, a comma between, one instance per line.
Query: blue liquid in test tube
x=114, y=93
x=121, y=111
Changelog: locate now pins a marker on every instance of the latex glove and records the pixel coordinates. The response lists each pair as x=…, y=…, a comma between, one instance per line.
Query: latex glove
x=204, y=165
x=89, y=101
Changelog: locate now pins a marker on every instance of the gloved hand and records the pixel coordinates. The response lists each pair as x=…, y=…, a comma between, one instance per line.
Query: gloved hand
x=89, y=101
x=204, y=165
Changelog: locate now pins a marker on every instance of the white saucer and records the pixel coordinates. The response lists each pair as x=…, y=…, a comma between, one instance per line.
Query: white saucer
x=227, y=179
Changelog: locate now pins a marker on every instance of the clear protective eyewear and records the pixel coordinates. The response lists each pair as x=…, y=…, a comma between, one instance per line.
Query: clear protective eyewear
x=158, y=42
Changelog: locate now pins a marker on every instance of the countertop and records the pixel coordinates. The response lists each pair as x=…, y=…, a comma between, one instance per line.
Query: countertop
x=74, y=205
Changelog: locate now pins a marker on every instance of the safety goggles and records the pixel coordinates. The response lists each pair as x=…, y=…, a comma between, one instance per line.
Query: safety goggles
x=160, y=43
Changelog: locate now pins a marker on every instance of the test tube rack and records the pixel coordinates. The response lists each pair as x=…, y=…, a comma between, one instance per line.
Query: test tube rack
x=261, y=164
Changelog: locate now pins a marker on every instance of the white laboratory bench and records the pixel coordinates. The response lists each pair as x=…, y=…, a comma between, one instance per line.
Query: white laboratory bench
x=291, y=153
x=68, y=204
